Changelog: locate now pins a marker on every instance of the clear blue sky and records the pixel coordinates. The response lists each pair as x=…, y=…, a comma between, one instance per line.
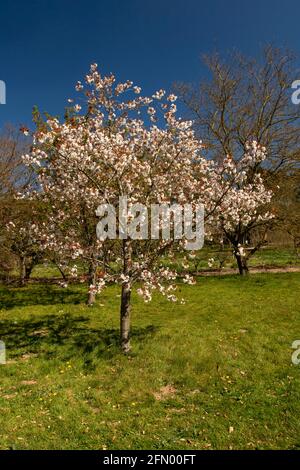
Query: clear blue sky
x=46, y=46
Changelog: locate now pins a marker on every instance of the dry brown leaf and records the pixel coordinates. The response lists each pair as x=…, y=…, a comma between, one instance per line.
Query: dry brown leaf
x=165, y=392
x=28, y=382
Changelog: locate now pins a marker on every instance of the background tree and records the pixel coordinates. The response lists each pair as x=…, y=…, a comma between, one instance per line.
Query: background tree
x=15, y=178
x=287, y=204
x=14, y=175
x=245, y=204
x=244, y=100
x=248, y=100
x=22, y=234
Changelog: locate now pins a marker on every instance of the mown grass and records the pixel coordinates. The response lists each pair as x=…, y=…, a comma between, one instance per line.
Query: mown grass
x=271, y=256
x=268, y=256
x=214, y=373
x=213, y=257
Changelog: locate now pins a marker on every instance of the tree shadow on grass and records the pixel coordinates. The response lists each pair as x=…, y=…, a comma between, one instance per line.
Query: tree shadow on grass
x=39, y=295
x=51, y=336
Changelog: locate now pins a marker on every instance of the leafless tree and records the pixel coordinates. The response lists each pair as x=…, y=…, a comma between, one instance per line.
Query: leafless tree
x=14, y=178
x=248, y=99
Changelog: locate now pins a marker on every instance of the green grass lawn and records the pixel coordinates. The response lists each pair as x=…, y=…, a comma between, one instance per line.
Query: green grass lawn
x=214, y=373
x=268, y=256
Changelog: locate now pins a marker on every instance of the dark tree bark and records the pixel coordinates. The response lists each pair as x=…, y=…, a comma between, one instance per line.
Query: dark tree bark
x=241, y=263
x=26, y=269
x=61, y=271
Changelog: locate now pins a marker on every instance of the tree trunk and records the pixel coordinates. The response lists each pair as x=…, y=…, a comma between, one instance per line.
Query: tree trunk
x=28, y=271
x=125, y=318
x=61, y=271
x=92, y=279
x=125, y=298
x=242, y=263
x=22, y=279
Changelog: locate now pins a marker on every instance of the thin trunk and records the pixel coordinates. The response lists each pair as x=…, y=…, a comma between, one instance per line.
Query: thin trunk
x=296, y=246
x=61, y=271
x=125, y=299
x=125, y=318
x=92, y=279
x=22, y=271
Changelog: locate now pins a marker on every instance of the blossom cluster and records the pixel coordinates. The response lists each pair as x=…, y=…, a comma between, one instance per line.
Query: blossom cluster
x=120, y=143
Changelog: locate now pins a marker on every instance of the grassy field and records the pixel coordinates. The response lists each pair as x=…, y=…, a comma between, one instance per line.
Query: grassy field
x=269, y=256
x=266, y=257
x=214, y=373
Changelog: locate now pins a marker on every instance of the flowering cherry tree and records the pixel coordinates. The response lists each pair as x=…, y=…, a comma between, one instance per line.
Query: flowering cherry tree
x=245, y=202
x=118, y=143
